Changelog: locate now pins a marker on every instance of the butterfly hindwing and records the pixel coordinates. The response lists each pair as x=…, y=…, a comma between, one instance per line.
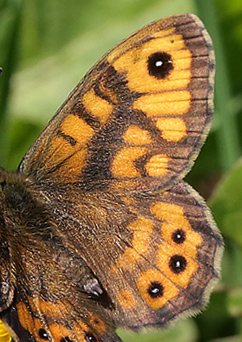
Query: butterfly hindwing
x=162, y=251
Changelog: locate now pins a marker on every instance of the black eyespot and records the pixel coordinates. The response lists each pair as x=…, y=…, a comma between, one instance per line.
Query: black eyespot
x=177, y=263
x=179, y=236
x=44, y=335
x=155, y=289
x=160, y=65
x=90, y=337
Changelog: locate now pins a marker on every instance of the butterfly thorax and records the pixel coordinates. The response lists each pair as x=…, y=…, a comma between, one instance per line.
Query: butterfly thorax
x=23, y=211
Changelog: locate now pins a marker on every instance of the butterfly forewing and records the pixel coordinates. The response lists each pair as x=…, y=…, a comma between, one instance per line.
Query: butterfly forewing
x=138, y=118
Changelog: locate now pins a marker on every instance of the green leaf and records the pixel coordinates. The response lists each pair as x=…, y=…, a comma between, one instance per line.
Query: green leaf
x=235, y=302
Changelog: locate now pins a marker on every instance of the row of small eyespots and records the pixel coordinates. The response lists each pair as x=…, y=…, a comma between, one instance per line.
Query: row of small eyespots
x=181, y=240
x=155, y=288
x=88, y=336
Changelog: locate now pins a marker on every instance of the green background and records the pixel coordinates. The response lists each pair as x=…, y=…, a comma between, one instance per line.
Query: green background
x=46, y=46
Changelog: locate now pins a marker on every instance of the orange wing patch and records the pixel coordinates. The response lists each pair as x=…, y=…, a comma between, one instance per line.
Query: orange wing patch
x=176, y=230
x=77, y=129
x=126, y=299
x=156, y=289
x=142, y=229
x=97, y=106
x=172, y=129
x=175, y=222
x=136, y=136
x=179, y=268
x=67, y=152
x=138, y=36
x=134, y=64
x=169, y=103
x=123, y=163
x=174, y=218
x=157, y=166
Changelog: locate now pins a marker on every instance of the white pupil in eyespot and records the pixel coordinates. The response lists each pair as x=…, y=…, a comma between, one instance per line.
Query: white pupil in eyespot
x=178, y=264
x=158, y=64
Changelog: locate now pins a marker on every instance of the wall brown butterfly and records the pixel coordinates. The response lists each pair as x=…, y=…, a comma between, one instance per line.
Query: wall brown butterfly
x=97, y=227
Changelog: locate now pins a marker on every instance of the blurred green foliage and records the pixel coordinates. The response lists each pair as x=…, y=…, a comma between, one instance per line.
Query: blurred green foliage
x=47, y=46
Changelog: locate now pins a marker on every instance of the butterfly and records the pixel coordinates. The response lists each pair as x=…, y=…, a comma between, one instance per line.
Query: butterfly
x=98, y=230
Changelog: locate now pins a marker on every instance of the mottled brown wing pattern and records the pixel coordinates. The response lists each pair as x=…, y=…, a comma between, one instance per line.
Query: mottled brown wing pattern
x=162, y=250
x=138, y=119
